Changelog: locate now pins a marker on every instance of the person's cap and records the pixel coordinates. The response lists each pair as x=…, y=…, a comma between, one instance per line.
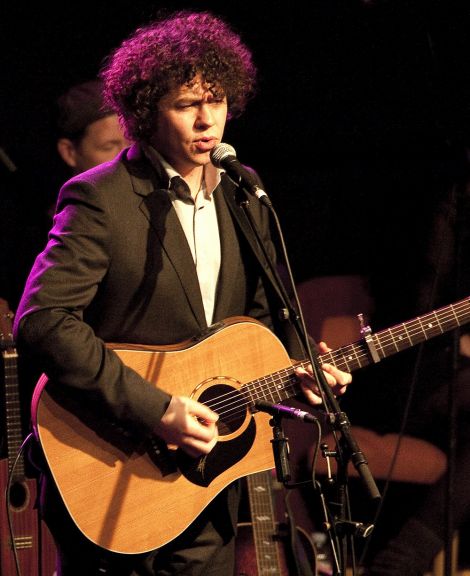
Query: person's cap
x=79, y=107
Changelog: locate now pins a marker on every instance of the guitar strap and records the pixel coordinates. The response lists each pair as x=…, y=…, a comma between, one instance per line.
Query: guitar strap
x=284, y=313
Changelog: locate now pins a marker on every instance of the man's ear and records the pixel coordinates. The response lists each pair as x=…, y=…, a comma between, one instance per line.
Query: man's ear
x=67, y=151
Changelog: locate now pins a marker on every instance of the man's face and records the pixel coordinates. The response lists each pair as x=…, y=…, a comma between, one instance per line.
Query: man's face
x=191, y=121
x=102, y=141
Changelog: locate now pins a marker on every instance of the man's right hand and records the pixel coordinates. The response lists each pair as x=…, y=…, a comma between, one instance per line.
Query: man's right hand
x=190, y=425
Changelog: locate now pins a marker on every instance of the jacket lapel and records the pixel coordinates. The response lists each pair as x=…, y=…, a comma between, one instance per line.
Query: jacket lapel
x=232, y=269
x=158, y=209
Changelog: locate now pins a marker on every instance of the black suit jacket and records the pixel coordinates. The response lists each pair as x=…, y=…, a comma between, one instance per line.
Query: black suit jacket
x=117, y=268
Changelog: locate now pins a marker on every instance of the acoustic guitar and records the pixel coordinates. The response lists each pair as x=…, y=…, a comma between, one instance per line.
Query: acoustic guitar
x=31, y=539
x=133, y=498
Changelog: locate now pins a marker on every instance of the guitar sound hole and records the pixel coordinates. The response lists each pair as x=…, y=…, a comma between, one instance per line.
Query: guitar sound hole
x=229, y=404
x=18, y=495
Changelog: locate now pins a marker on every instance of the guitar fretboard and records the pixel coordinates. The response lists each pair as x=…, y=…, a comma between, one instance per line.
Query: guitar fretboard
x=400, y=337
x=282, y=385
x=13, y=415
x=12, y=400
x=264, y=524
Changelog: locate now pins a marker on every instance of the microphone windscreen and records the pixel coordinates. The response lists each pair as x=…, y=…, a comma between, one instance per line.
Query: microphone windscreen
x=220, y=152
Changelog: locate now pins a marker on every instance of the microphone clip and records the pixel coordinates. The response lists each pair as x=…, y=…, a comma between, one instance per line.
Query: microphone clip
x=280, y=444
x=279, y=410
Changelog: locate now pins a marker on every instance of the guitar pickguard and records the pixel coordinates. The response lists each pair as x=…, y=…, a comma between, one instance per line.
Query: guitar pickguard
x=202, y=471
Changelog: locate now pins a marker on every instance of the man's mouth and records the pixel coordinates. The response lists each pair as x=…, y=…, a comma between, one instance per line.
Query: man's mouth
x=205, y=144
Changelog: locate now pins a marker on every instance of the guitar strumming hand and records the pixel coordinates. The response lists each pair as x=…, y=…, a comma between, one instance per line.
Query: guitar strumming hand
x=192, y=426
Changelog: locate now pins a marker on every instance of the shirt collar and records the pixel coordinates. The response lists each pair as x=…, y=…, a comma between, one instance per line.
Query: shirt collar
x=211, y=172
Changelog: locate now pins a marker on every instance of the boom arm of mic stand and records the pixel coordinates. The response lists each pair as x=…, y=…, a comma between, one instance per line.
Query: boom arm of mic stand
x=337, y=418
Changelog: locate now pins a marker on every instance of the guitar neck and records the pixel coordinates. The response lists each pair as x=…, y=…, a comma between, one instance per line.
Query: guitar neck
x=12, y=400
x=264, y=523
x=13, y=414
x=387, y=342
x=282, y=385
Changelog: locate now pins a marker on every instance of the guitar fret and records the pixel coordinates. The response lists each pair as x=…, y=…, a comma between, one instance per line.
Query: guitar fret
x=394, y=340
x=423, y=331
x=390, y=344
x=269, y=391
x=455, y=315
x=264, y=518
x=358, y=360
x=9, y=355
x=23, y=542
x=14, y=434
x=449, y=323
x=401, y=338
x=344, y=359
x=407, y=334
x=377, y=342
x=273, y=389
x=436, y=316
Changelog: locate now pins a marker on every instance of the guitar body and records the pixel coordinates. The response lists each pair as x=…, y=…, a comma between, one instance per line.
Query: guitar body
x=131, y=499
x=34, y=544
x=24, y=522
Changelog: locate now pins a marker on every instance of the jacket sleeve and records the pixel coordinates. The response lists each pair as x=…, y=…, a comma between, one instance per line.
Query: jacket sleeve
x=49, y=324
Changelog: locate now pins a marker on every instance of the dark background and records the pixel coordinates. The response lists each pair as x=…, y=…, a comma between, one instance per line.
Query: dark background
x=359, y=128
x=359, y=125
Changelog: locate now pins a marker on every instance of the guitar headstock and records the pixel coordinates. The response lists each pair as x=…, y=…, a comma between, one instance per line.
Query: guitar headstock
x=7, y=343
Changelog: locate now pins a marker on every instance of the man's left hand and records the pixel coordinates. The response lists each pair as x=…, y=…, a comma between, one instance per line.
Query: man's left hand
x=337, y=379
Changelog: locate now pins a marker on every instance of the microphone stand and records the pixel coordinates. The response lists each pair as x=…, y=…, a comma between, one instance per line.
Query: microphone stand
x=348, y=449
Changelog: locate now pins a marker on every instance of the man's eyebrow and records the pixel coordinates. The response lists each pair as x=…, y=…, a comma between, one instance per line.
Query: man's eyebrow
x=188, y=98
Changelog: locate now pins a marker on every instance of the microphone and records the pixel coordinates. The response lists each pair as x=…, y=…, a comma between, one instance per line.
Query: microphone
x=285, y=411
x=224, y=156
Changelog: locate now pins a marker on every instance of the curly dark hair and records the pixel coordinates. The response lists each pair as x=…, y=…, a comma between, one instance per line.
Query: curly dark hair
x=169, y=53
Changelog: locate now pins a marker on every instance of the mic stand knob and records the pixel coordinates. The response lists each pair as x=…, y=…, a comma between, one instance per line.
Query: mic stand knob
x=355, y=528
x=327, y=454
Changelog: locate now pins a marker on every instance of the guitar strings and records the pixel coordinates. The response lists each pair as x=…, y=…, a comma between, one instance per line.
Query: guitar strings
x=236, y=402
x=284, y=383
